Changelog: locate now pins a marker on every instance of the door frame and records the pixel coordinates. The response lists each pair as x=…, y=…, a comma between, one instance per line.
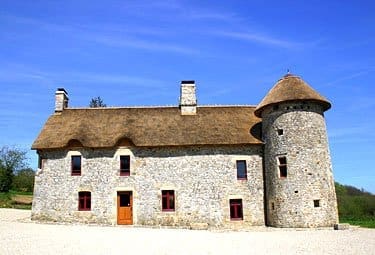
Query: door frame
x=118, y=194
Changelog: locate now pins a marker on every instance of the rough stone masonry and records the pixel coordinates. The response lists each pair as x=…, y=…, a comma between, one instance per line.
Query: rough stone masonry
x=228, y=167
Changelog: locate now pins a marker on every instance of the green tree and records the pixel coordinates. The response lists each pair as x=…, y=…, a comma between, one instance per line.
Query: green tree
x=11, y=161
x=97, y=102
x=24, y=180
x=353, y=202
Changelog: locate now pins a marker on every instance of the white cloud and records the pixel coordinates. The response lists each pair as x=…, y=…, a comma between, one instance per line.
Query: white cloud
x=264, y=39
x=151, y=45
x=351, y=76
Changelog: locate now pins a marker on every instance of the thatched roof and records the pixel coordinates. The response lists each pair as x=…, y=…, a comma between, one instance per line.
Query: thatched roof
x=291, y=88
x=158, y=126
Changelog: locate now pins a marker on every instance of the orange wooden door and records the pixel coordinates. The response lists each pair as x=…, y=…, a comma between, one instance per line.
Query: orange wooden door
x=125, y=208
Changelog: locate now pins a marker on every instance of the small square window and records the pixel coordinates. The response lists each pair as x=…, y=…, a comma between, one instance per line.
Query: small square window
x=76, y=165
x=84, y=201
x=125, y=165
x=283, y=167
x=167, y=197
x=236, y=209
x=317, y=203
x=241, y=169
x=280, y=131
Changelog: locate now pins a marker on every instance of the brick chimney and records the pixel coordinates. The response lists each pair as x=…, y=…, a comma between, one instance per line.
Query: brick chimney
x=188, y=98
x=61, y=100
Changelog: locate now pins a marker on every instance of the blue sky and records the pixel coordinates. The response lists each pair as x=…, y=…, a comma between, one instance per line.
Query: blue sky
x=137, y=52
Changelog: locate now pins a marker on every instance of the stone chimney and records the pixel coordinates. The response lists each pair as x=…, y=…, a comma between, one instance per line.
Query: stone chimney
x=61, y=100
x=188, y=98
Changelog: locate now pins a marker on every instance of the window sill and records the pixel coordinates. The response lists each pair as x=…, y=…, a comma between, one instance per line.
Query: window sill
x=124, y=174
x=236, y=219
x=75, y=174
x=242, y=179
x=168, y=210
x=84, y=210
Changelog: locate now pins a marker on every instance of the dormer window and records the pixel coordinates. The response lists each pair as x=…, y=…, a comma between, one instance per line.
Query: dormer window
x=125, y=165
x=76, y=165
x=241, y=170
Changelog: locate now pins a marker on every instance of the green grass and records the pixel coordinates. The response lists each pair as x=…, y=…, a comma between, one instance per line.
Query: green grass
x=17, y=200
x=12, y=192
x=366, y=222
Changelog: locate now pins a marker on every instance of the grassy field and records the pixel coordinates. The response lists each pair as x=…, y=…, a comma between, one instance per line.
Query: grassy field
x=17, y=200
x=367, y=222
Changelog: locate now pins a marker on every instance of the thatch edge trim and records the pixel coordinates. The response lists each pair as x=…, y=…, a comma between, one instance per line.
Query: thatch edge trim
x=326, y=105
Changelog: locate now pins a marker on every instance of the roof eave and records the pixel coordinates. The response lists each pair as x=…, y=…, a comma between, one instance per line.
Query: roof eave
x=326, y=105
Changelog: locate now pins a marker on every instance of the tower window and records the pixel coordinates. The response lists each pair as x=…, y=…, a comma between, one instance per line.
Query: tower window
x=282, y=167
x=316, y=203
x=280, y=131
x=241, y=170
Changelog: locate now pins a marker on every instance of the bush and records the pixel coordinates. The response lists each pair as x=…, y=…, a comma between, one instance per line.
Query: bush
x=24, y=180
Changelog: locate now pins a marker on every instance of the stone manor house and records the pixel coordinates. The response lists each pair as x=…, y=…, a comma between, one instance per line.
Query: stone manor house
x=188, y=165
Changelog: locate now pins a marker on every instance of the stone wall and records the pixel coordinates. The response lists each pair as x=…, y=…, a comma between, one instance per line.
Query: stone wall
x=203, y=178
x=297, y=131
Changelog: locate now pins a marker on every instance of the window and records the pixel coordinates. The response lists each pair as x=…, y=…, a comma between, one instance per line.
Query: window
x=317, y=203
x=241, y=170
x=280, y=131
x=236, y=209
x=76, y=165
x=282, y=167
x=125, y=165
x=167, y=200
x=84, y=201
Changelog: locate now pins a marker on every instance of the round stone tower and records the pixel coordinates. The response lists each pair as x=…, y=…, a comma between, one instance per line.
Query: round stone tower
x=300, y=190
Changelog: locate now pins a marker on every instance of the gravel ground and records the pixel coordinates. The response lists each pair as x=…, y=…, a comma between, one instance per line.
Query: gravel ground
x=18, y=235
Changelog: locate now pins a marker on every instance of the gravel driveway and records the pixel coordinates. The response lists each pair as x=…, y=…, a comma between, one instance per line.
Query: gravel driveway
x=18, y=235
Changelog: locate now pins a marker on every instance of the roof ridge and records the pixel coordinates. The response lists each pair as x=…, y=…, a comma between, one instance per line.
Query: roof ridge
x=121, y=107
x=227, y=105
x=157, y=106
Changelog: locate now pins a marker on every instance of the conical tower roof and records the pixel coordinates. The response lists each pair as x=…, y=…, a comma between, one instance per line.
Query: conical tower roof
x=291, y=88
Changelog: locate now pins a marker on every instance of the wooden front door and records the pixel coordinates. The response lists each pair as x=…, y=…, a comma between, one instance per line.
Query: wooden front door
x=125, y=208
